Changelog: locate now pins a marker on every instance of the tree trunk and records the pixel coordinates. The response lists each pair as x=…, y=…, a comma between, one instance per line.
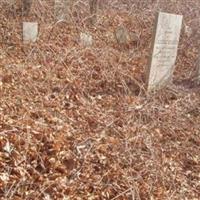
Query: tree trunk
x=93, y=11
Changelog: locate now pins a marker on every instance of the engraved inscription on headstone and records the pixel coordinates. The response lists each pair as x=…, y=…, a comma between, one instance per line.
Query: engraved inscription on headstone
x=30, y=31
x=62, y=9
x=164, y=50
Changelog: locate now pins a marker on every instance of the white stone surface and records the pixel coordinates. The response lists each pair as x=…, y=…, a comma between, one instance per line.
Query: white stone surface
x=164, y=50
x=30, y=31
x=86, y=39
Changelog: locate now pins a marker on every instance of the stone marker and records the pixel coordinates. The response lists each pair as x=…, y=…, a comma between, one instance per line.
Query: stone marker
x=86, y=39
x=62, y=9
x=122, y=35
x=125, y=38
x=26, y=6
x=30, y=31
x=164, y=50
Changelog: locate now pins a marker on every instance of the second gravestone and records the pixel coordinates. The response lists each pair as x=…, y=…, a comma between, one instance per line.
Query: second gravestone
x=86, y=39
x=164, y=50
x=30, y=31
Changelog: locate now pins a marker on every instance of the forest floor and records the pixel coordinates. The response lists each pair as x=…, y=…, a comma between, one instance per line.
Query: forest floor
x=76, y=122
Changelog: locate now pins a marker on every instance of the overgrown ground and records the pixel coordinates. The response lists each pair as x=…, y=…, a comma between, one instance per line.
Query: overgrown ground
x=76, y=122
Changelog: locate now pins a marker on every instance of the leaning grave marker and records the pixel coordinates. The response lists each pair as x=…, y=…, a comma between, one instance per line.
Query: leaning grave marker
x=30, y=31
x=164, y=50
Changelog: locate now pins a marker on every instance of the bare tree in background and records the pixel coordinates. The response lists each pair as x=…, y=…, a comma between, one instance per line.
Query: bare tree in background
x=26, y=6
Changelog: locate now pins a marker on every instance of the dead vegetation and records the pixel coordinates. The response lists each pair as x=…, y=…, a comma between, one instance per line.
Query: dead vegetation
x=75, y=121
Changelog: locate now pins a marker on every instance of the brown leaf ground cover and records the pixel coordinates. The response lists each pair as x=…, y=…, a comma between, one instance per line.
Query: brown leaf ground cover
x=76, y=122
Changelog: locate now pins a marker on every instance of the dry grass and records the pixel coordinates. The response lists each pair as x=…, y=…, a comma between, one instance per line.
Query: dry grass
x=76, y=123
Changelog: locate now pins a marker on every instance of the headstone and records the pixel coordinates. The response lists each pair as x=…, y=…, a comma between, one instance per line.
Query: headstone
x=86, y=39
x=62, y=9
x=26, y=6
x=30, y=31
x=164, y=50
x=122, y=35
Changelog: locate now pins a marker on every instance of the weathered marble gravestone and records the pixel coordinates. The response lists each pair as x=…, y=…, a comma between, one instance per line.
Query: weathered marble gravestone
x=122, y=35
x=30, y=31
x=62, y=9
x=86, y=39
x=164, y=50
x=26, y=6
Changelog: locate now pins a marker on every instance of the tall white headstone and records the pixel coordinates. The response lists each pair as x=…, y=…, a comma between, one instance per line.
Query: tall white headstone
x=164, y=50
x=30, y=31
